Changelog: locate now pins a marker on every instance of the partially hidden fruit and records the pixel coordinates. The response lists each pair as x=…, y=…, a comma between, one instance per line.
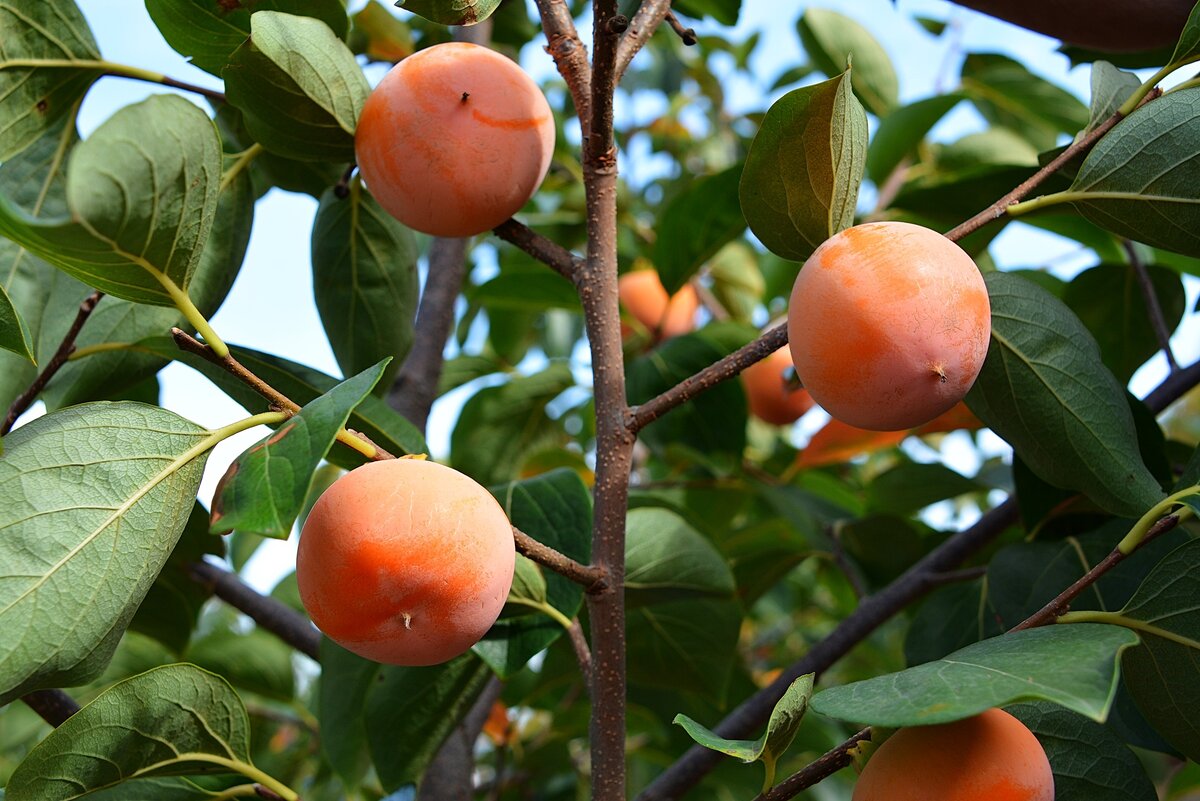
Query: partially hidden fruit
x=888, y=325
x=989, y=757
x=454, y=139
x=768, y=393
x=644, y=297
x=405, y=561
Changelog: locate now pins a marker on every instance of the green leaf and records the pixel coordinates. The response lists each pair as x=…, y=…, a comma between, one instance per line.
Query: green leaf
x=723, y=11
x=92, y=500
x=451, y=12
x=781, y=729
x=1009, y=95
x=269, y=170
x=256, y=661
x=902, y=130
x=35, y=100
x=556, y=510
x=142, y=191
x=695, y=225
x=737, y=281
x=1109, y=301
x=804, y=167
x=1089, y=762
x=668, y=560
x=951, y=618
x=1074, y=666
x=14, y=334
x=499, y=426
x=170, y=721
x=1188, y=47
x=298, y=87
x=208, y=31
x=834, y=42
x=264, y=489
x=1139, y=181
x=527, y=292
x=1044, y=389
x=346, y=679
x=1110, y=89
x=528, y=585
x=1162, y=674
x=910, y=487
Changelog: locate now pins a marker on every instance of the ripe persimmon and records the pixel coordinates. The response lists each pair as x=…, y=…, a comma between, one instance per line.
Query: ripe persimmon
x=405, y=561
x=888, y=325
x=989, y=757
x=767, y=391
x=454, y=139
x=644, y=297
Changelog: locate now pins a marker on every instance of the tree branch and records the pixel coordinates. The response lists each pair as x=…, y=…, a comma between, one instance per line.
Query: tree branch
x=582, y=653
x=592, y=579
x=686, y=35
x=545, y=250
x=642, y=415
x=65, y=348
x=818, y=770
x=53, y=706
x=1158, y=320
x=645, y=22
x=570, y=56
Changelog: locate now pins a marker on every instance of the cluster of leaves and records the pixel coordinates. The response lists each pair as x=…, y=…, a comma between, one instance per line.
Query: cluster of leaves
x=743, y=552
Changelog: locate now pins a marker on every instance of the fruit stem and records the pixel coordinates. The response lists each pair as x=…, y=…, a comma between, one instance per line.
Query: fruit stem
x=546, y=609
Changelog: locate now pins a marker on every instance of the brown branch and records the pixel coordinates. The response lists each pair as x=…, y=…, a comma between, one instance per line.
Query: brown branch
x=642, y=415
x=53, y=706
x=65, y=348
x=570, y=56
x=281, y=620
x=645, y=22
x=211, y=94
x=1158, y=320
x=818, y=770
x=415, y=388
x=592, y=579
x=545, y=250
x=582, y=653
x=598, y=147
x=1000, y=207
x=686, y=35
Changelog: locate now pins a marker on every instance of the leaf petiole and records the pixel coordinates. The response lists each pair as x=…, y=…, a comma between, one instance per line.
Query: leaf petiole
x=1164, y=507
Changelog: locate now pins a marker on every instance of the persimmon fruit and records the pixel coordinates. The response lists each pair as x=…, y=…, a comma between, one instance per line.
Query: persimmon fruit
x=405, y=561
x=989, y=757
x=770, y=397
x=454, y=139
x=888, y=325
x=644, y=297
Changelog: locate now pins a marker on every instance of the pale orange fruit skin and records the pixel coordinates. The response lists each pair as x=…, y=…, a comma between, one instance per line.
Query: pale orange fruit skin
x=643, y=296
x=454, y=139
x=768, y=394
x=989, y=757
x=405, y=562
x=888, y=325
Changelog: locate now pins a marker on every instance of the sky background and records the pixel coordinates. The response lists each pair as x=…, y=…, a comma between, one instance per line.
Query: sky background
x=271, y=307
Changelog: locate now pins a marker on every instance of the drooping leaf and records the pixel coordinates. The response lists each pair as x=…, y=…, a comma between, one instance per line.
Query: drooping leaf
x=1074, y=666
x=695, y=225
x=452, y=12
x=92, y=500
x=834, y=42
x=1009, y=95
x=1044, y=389
x=264, y=489
x=1187, y=49
x=170, y=721
x=902, y=130
x=1111, y=87
x=800, y=183
x=142, y=192
x=666, y=559
x=208, y=31
x=1139, y=180
x=35, y=100
x=554, y=509
x=14, y=334
x=298, y=87
x=270, y=170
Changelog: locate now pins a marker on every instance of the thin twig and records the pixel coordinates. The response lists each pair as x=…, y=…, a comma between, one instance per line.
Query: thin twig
x=646, y=413
x=545, y=250
x=570, y=56
x=592, y=579
x=211, y=94
x=686, y=35
x=1153, y=308
x=818, y=770
x=65, y=348
x=642, y=26
x=582, y=653
x=53, y=706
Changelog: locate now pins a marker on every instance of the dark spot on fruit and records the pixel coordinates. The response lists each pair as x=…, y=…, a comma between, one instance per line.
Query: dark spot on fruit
x=465, y=95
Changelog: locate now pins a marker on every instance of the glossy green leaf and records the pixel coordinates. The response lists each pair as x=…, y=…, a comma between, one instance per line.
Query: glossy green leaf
x=1090, y=763
x=452, y=12
x=555, y=509
x=1111, y=87
x=1109, y=301
x=1187, y=49
x=92, y=500
x=695, y=225
x=1162, y=674
x=208, y=31
x=834, y=42
x=298, y=87
x=1074, y=666
x=14, y=334
x=142, y=192
x=666, y=559
x=902, y=130
x=172, y=720
x=264, y=489
x=270, y=170
x=1139, y=180
x=499, y=426
x=1009, y=95
x=35, y=100
x=1044, y=389
x=800, y=183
